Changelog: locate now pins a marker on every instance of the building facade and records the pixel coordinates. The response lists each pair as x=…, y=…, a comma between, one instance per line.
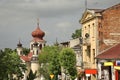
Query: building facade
x=89, y=22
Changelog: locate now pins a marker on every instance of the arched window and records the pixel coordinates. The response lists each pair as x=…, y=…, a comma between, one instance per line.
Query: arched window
x=33, y=52
x=40, y=46
x=31, y=47
x=37, y=52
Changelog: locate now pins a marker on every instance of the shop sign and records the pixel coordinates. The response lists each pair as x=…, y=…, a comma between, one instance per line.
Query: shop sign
x=108, y=63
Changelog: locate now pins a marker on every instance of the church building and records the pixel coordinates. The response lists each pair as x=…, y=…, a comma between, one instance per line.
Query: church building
x=31, y=60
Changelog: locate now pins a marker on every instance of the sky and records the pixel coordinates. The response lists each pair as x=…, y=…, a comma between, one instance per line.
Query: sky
x=57, y=18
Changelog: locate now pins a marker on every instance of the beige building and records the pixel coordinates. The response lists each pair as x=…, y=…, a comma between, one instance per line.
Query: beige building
x=90, y=22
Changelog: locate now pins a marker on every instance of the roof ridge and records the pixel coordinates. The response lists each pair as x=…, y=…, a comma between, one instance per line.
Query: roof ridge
x=112, y=6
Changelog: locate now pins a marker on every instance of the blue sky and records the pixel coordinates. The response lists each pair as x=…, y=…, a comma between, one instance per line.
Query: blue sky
x=57, y=18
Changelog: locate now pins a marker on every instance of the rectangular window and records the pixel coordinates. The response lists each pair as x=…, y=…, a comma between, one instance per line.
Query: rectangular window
x=93, y=55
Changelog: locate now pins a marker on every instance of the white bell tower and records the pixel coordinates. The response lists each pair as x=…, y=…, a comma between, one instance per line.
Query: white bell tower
x=36, y=44
x=19, y=49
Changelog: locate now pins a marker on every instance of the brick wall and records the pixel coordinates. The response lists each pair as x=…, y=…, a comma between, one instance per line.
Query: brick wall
x=110, y=25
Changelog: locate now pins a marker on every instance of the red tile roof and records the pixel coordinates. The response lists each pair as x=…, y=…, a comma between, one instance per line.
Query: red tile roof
x=112, y=53
x=27, y=58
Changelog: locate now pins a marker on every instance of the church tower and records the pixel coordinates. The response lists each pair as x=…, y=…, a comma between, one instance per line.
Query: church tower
x=35, y=47
x=19, y=49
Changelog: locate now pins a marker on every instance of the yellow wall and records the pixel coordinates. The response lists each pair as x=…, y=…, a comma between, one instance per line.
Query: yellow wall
x=90, y=26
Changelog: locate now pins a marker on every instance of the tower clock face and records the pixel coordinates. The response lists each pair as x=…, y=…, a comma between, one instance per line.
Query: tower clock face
x=86, y=35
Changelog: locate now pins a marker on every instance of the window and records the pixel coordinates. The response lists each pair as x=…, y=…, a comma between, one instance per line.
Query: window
x=93, y=29
x=93, y=55
x=88, y=51
x=40, y=46
x=100, y=25
x=20, y=52
x=33, y=53
x=37, y=52
x=89, y=28
x=31, y=47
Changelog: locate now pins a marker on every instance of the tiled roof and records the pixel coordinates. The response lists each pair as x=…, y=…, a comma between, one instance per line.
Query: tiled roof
x=112, y=53
x=27, y=58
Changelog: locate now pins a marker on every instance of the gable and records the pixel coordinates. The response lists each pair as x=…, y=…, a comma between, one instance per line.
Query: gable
x=86, y=16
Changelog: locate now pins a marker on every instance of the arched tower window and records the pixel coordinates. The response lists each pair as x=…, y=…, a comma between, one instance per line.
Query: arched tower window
x=31, y=46
x=33, y=52
x=40, y=46
x=37, y=52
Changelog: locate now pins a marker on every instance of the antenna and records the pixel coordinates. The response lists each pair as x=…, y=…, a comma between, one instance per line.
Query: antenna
x=19, y=40
x=85, y=4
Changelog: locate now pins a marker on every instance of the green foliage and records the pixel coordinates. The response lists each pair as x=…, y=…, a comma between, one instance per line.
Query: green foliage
x=26, y=51
x=45, y=55
x=45, y=71
x=49, y=57
x=68, y=62
x=77, y=34
x=31, y=75
x=10, y=65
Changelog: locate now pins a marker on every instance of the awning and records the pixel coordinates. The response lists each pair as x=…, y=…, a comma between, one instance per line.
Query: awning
x=90, y=71
x=117, y=67
x=108, y=63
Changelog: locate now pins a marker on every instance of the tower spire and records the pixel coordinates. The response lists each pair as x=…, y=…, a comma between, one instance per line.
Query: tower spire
x=37, y=22
x=19, y=44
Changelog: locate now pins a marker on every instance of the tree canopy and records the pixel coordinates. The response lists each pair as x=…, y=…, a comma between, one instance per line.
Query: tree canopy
x=77, y=34
x=68, y=62
x=10, y=65
x=52, y=58
x=49, y=58
x=26, y=51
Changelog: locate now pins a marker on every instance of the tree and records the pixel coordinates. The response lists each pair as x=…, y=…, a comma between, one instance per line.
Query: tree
x=31, y=75
x=49, y=58
x=68, y=62
x=77, y=34
x=26, y=51
x=55, y=67
x=10, y=65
